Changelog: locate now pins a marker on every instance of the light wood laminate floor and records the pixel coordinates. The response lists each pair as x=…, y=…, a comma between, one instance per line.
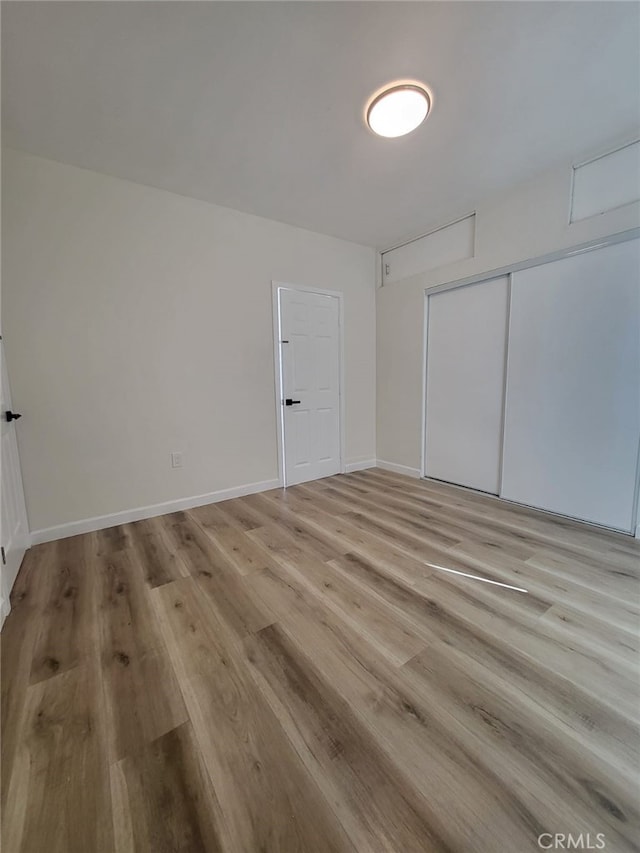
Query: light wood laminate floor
x=291, y=671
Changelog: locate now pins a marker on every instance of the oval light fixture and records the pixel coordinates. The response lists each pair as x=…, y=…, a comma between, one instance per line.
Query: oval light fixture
x=398, y=109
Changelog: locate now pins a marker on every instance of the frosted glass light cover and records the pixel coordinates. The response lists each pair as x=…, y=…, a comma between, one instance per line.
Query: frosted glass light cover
x=398, y=110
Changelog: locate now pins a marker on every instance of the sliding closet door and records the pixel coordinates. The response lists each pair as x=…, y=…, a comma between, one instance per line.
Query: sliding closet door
x=572, y=421
x=466, y=340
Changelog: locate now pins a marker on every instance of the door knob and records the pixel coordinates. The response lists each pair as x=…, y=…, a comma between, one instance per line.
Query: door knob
x=12, y=416
x=290, y=402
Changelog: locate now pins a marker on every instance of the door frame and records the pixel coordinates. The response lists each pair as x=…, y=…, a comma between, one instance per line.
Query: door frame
x=276, y=288
x=25, y=541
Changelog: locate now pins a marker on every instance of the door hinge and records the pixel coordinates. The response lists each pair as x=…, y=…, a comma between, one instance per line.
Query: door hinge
x=4, y=559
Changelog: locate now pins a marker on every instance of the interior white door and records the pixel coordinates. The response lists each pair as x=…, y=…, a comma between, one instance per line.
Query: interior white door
x=14, y=530
x=466, y=344
x=572, y=422
x=310, y=357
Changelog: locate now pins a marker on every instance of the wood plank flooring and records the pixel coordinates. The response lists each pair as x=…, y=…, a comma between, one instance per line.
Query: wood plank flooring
x=294, y=671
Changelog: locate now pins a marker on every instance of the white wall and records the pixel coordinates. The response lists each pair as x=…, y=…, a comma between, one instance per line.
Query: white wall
x=529, y=221
x=138, y=322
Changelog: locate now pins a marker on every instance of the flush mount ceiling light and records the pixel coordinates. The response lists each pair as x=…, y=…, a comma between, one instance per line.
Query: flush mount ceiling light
x=398, y=109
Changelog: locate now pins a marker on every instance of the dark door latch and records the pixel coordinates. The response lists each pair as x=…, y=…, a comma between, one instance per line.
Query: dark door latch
x=12, y=416
x=290, y=402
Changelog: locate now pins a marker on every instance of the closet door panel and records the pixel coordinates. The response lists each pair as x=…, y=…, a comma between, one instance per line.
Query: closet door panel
x=466, y=339
x=572, y=421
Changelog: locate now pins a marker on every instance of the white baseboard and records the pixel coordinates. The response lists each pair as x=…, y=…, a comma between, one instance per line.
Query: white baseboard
x=360, y=465
x=399, y=469
x=100, y=522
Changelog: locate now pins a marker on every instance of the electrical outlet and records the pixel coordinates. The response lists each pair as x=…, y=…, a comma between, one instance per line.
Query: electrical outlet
x=176, y=460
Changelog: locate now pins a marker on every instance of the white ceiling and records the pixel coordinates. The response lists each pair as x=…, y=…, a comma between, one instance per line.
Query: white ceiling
x=258, y=106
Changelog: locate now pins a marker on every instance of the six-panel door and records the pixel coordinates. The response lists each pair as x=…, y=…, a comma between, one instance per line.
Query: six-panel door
x=310, y=325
